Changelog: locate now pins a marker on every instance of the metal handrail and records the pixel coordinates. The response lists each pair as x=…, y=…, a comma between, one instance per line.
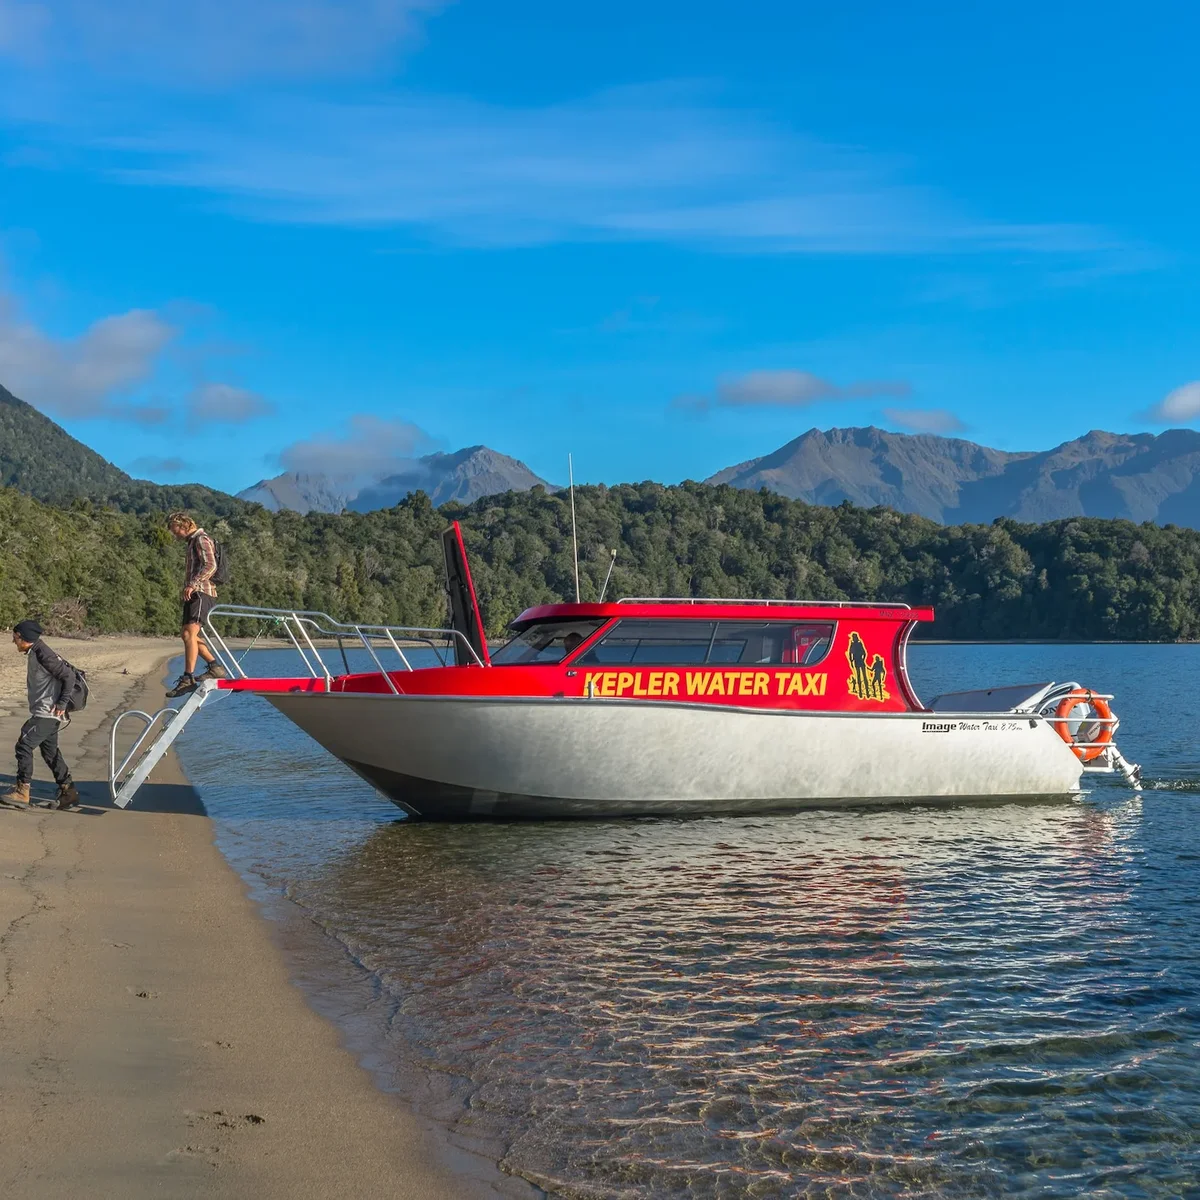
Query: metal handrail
x=115, y=773
x=305, y=627
x=159, y=731
x=764, y=603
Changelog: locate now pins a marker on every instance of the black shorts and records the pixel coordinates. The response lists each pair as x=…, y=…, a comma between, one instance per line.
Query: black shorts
x=197, y=608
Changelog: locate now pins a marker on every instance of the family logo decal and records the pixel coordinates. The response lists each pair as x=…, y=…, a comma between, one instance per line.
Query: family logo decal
x=867, y=675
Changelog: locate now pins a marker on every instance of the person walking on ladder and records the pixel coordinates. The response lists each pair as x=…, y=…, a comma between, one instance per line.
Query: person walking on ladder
x=199, y=598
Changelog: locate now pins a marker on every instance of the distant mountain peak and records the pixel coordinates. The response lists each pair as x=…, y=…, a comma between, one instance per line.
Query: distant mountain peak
x=300, y=491
x=462, y=475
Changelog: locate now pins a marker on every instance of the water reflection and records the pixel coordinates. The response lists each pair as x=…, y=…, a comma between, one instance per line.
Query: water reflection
x=697, y=1008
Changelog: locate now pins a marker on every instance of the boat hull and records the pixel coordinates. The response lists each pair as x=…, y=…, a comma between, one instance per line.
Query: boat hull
x=464, y=758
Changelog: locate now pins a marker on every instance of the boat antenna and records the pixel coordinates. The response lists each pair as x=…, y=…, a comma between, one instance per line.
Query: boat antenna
x=574, y=535
x=612, y=563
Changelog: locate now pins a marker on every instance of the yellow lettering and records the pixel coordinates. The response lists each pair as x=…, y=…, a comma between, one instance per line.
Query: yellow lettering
x=761, y=682
x=610, y=684
x=781, y=683
x=624, y=682
x=656, y=681
x=639, y=689
x=745, y=682
x=671, y=684
x=796, y=684
x=697, y=681
x=716, y=684
x=821, y=690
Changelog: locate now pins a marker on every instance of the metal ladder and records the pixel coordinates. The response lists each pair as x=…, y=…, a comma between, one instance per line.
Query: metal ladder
x=165, y=725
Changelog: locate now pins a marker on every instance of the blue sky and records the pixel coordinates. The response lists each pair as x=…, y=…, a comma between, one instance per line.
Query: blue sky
x=247, y=234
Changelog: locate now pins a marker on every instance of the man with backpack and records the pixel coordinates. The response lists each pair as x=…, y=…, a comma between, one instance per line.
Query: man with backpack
x=52, y=684
x=199, y=599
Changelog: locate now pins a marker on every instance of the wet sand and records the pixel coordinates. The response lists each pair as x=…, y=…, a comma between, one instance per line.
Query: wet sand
x=151, y=1043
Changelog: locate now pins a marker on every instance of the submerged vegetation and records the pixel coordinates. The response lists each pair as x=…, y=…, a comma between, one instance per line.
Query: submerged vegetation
x=98, y=568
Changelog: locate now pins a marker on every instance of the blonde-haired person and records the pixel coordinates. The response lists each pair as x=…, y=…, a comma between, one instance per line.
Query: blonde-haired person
x=199, y=597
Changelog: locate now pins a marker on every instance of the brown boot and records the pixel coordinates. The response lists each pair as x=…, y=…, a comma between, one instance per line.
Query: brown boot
x=68, y=796
x=17, y=796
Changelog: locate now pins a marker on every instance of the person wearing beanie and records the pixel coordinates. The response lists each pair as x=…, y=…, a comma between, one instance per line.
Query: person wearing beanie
x=49, y=680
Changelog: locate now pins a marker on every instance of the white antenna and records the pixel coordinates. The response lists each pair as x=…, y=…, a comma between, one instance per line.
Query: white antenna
x=611, y=563
x=574, y=536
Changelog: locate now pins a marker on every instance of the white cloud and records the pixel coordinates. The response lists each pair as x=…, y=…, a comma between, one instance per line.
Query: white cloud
x=630, y=164
x=1182, y=405
x=152, y=465
x=797, y=389
x=924, y=420
x=648, y=163
x=783, y=389
x=98, y=373
x=367, y=449
x=83, y=376
x=190, y=42
x=222, y=403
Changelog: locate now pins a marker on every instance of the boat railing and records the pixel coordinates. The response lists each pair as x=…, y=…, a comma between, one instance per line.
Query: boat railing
x=763, y=603
x=311, y=632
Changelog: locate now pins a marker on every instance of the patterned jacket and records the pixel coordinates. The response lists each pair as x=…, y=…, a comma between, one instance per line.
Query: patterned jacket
x=201, y=564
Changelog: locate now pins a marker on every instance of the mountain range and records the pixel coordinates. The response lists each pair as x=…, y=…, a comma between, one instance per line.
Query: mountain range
x=464, y=476
x=1139, y=476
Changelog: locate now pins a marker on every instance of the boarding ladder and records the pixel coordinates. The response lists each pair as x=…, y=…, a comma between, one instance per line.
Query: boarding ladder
x=322, y=645
x=158, y=734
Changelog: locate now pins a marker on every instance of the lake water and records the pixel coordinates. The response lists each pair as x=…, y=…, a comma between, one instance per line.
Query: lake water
x=988, y=1000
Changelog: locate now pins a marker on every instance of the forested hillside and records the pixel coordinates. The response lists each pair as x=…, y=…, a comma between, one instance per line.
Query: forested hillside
x=42, y=460
x=95, y=568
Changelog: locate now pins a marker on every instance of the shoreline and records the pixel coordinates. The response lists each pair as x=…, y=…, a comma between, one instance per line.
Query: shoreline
x=152, y=1041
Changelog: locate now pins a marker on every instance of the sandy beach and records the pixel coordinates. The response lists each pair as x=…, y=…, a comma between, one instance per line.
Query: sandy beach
x=151, y=1043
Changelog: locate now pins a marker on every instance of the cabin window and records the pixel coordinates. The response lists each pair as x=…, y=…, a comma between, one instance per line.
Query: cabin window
x=686, y=643
x=773, y=643
x=546, y=642
x=674, y=643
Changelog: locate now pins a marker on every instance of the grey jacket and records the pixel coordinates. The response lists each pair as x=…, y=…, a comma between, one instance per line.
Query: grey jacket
x=48, y=679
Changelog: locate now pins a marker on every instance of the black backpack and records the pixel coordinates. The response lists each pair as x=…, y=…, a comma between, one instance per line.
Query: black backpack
x=77, y=695
x=221, y=574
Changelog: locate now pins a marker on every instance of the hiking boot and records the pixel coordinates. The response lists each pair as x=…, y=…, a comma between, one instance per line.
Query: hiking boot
x=17, y=796
x=214, y=670
x=68, y=796
x=184, y=684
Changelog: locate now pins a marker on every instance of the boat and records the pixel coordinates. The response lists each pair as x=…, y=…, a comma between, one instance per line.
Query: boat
x=661, y=706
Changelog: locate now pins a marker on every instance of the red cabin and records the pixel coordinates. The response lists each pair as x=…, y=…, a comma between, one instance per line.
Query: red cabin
x=831, y=657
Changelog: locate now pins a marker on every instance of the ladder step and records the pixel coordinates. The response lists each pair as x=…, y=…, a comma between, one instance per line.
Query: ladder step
x=123, y=783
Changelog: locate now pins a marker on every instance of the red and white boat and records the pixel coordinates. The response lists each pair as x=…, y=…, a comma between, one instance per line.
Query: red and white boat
x=677, y=707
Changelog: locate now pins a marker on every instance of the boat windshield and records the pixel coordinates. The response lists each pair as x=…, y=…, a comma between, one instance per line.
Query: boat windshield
x=546, y=642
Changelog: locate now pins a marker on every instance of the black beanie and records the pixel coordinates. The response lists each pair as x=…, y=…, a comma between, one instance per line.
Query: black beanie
x=27, y=631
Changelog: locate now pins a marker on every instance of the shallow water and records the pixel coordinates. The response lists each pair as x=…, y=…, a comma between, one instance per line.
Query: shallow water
x=988, y=1000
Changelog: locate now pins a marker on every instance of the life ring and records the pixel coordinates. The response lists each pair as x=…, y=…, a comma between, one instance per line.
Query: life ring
x=1067, y=705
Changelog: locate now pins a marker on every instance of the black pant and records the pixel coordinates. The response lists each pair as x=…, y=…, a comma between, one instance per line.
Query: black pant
x=41, y=733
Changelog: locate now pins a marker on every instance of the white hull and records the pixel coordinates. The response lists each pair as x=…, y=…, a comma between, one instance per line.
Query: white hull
x=453, y=758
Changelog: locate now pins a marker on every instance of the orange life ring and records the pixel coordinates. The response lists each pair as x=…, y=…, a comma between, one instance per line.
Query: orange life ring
x=1067, y=705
